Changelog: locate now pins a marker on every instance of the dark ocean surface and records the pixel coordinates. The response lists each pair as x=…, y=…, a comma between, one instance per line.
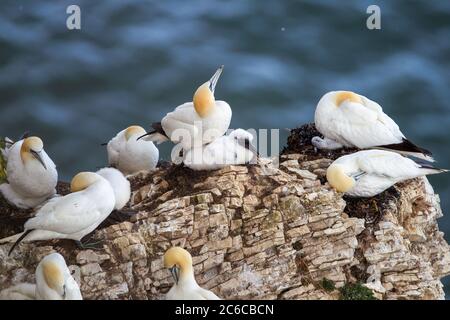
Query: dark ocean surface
x=133, y=61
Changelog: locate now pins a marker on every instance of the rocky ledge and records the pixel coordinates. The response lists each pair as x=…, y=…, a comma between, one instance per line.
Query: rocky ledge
x=259, y=232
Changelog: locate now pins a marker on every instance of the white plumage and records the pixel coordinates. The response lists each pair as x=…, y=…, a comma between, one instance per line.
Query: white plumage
x=130, y=155
x=347, y=119
x=233, y=149
x=53, y=282
x=72, y=216
x=31, y=174
x=198, y=122
x=120, y=185
x=179, y=261
x=370, y=172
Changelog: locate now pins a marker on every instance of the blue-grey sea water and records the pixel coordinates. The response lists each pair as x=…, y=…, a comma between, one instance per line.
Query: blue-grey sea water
x=133, y=61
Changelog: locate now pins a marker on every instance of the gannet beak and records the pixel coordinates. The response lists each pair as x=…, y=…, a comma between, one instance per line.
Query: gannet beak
x=144, y=135
x=38, y=157
x=215, y=78
x=175, y=271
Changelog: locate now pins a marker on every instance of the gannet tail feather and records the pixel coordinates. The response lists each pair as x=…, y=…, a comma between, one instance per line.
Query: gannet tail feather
x=409, y=148
x=19, y=240
x=10, y=239
x=424, y=164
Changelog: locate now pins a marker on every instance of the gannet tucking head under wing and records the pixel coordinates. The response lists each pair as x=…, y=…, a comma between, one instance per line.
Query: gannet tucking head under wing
x=347, y=119
x=370, y=172
x=179, y=261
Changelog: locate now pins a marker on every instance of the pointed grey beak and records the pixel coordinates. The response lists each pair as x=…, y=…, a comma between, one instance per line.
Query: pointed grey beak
x=215, y=78
x=175, y=271
x=38, y=157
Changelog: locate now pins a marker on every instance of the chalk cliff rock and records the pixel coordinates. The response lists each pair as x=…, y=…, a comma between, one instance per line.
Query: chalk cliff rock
x=257, y=232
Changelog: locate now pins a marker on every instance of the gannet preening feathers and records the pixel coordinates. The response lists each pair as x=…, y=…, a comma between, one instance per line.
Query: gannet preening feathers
x=233, y=149
x=200, y=121
x=130, y=155
x=370, y=172
x=179, y=261
x=72, y=216
x=31, y=174
x=120, y=185
x=53, y=282
x=347, y=119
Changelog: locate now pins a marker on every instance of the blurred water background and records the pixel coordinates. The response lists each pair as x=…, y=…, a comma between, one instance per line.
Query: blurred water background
x=133, y=61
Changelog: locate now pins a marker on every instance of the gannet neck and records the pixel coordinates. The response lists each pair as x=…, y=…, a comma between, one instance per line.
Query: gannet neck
x=204, y=100
x=343, y=96
x=338, y=179
x=134, y=130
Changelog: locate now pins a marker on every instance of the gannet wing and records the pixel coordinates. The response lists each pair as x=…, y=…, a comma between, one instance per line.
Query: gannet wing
x=69, y=214
x=388, y=164
x=22, y=291
x=365, y=127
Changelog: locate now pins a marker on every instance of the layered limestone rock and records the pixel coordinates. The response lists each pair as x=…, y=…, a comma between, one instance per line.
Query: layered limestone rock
x=258, y=232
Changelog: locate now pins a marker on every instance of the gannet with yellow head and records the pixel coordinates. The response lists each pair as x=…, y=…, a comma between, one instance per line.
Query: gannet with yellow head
x=347, y=119
x=130, y=155
x=31, y=174
x=370, y=172
x=72, y=216
x=195, y=123
x=54, y=280
x=233, y=149
x=179, y=262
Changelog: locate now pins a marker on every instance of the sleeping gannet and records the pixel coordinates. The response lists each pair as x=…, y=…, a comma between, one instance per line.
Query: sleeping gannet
x=179, y=261
x=120, y=185
x=370, y=172
x=195, y=123
x=31, y=174
x=130, y=155
x=347, y=119
x=72, y=216
x=233, y=149
x=53, y=282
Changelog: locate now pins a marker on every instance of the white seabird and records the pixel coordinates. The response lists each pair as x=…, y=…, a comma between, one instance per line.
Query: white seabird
x=130, y=155
x=31, y=174
x=370, y=172
x=195, y=123
x=233, y=149
x=72, y=216
x=53, y=282
x=347, y=119
x=179, y=261
x=120, y=185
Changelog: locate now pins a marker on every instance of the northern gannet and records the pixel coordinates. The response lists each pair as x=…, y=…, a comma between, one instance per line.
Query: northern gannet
x=53, y=282
x=233, y=149
x=347, y=119
x=179, y=261
x=370, y=172
x=195, y=123
x=31, y=174
x=130, y=155
x=72, y=216
x=120, y=185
